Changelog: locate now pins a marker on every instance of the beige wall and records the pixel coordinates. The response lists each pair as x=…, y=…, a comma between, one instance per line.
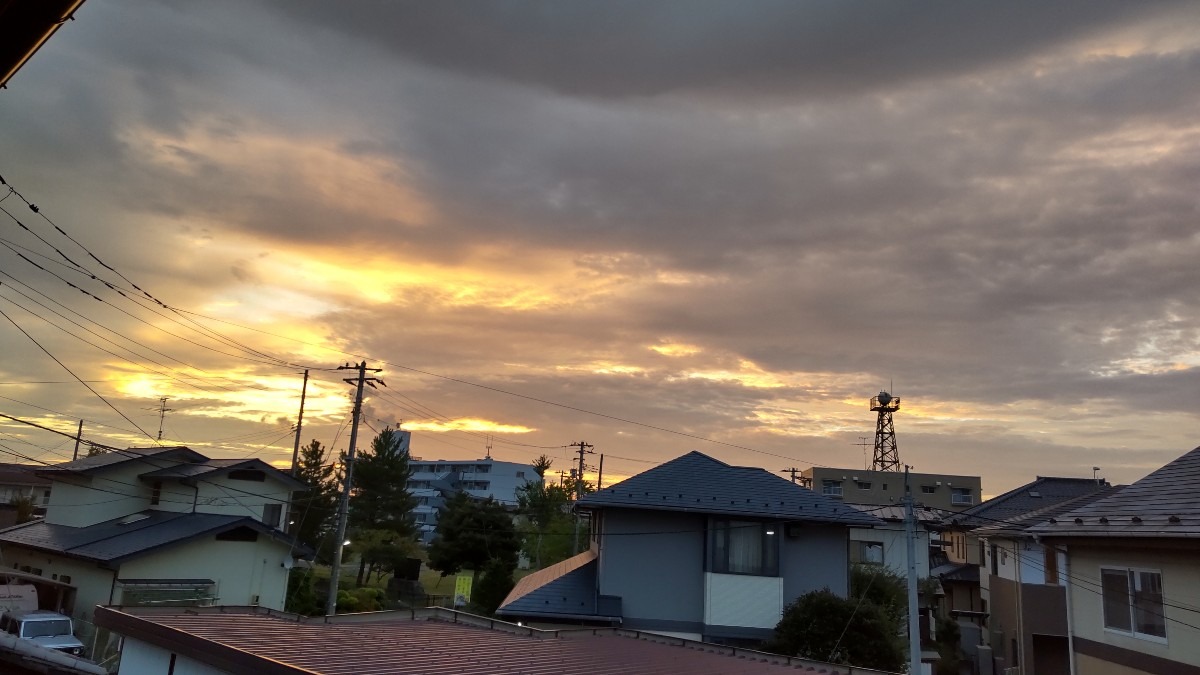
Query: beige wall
x=93, y=582
x=80, y=501
x=1087, y=665
x=1181, y=586
x=887, y=487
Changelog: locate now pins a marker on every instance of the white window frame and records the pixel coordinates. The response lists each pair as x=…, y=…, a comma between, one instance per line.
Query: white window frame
x=831, y=487
x=1133, y=631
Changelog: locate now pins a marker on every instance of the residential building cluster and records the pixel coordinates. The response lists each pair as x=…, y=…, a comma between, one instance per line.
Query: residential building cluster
x=1060, y=576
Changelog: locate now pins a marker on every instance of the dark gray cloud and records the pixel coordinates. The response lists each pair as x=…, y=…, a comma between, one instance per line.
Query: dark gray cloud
x=633, y=48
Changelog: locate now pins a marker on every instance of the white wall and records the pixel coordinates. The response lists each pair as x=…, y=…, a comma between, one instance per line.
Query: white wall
x=241, y=569
x=82, y=501
x=140, y=658
x=221, y=495
x=742, y=600
x=895, y=550
x=94, y=583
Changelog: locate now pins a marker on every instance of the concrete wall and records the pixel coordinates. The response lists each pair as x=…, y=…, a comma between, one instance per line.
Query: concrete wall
x=1180, y=569
x=655, y=562
x=140, y=658
x=242, y=569
x=815, y=557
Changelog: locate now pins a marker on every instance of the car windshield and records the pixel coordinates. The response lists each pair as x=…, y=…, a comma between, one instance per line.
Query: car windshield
x=34, y=629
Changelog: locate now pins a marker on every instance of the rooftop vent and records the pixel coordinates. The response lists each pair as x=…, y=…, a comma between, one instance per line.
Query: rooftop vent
x=1103, y=520
x=1035, y=493
x=1136, y=519
x=1173, y=520
x=1079, y=521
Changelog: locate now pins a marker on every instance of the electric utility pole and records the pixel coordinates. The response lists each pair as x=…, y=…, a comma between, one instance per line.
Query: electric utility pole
x=162, y=413
x=296, y=450
x=910, y=539
x=78, y=439
x=584, y=449
x=339, y=543
x=792, y=470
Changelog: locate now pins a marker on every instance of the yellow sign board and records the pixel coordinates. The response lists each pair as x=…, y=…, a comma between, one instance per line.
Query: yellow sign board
x=462, y=590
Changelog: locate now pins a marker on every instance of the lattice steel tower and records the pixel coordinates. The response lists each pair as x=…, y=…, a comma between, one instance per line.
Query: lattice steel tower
x=887, y=458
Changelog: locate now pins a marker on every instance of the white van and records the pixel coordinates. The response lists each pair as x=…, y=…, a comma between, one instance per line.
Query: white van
x=43, y=627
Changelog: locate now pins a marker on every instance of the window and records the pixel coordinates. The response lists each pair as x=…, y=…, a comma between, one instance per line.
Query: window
x=745, y=547
x=483, y=468
x=45, y=497
x=65, y=578
x=248, y=474
x=1133, y=601
x=862, y=484
x=1051, y=565
x=869, y=552
x=961, y=496
x=520, y=474
x=238, y=534
x=833, y=488
x=155, y=492
x=271, y=514
x=928, y=489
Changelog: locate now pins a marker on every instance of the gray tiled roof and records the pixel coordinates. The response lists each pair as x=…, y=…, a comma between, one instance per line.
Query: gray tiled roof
x=112, y=541
x=213, y=467
x=1041, y=493
x=1163, y=505
x=698, y=483
x=895, y=512
x=1019, y=525
x=153, y=457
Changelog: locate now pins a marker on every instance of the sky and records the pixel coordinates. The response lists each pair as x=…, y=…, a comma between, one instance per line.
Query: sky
x=652, y=226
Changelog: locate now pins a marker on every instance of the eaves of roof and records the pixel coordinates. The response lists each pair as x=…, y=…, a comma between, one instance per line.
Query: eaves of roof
x=26, y=25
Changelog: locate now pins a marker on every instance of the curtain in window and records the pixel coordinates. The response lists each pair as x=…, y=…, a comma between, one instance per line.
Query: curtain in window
x=745, y=547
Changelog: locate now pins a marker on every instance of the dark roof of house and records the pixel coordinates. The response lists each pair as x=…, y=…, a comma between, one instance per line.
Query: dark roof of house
x=1043, y=492
x=698, y=483
x=400, y=643
x=216, y=467
x=21, y=474
x=1163, y=505
x=116, y=540
x=565, y=590
x=1019, y=526
x=25, y=25
x=962, y=572
x=151, y=457
x=895, y=512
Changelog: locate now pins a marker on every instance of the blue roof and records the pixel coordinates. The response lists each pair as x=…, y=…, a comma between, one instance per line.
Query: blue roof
x=563, y=590
x=130, y=536
x=698, y=483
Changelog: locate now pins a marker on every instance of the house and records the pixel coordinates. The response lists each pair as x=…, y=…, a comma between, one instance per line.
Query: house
x=884, y=544
x=698, y=549
x=19, y=481
x=996, y=581
x=157, y=526
x=256, y=640
x=434, y=481
x=1131, y=564
x=863, y=486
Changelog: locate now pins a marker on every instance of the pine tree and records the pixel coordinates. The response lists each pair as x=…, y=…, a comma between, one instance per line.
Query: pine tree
x=314, y=510
x=380, y=504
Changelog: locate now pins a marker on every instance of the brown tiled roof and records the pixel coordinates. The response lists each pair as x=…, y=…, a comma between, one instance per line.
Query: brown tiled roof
x=244, y=640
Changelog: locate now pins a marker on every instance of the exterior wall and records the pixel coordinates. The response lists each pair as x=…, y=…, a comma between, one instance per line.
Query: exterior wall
x=815, y=557
x=93, y=583
x=242, y=569
x=1180, y=568
x=963, y=549
x=138, y=657
x=895, y=550
x=221, y=495
x=887, y=487
x=659, y=577
x=80, y=501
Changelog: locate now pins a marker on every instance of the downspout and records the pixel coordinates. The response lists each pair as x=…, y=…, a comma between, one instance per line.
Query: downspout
x=1070, y=623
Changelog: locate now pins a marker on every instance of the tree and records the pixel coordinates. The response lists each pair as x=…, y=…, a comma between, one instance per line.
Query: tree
x=315, y=518
x=541, y=507
x=823, y=626
x=25, y=505
x=472, y=533
x=883, y=587
x=495, y=585
x=380, y=499
x=541, y=465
